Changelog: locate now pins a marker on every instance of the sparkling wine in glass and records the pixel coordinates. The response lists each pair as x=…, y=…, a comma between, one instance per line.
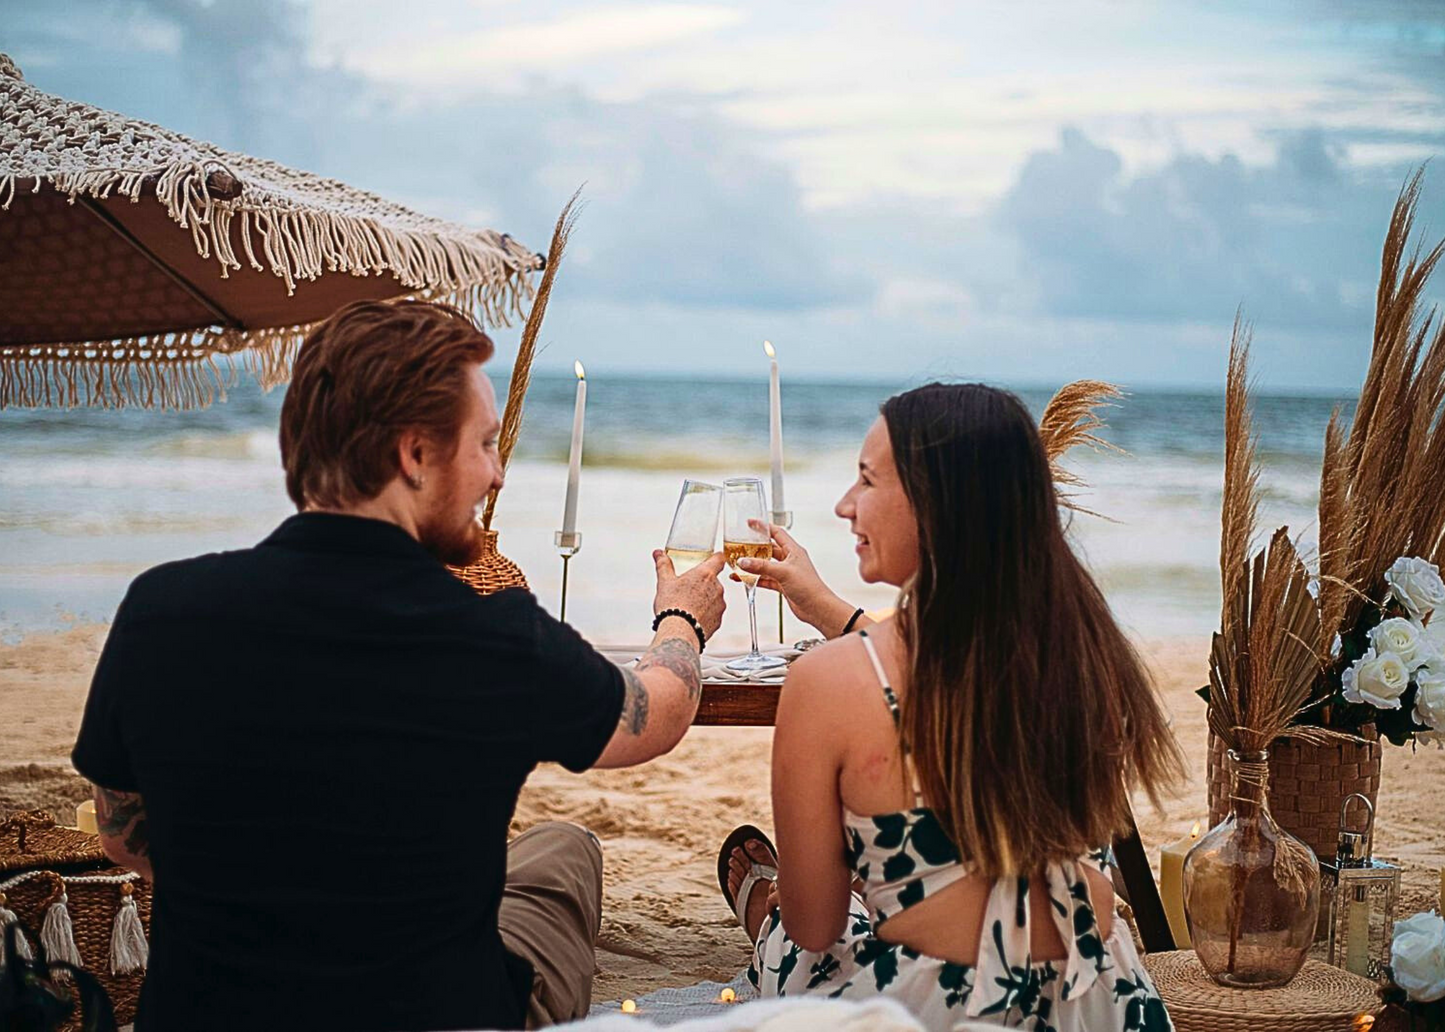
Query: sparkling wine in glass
x=693, y=536
x=742, y=504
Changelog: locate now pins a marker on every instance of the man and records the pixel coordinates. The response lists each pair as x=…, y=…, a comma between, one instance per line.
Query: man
x=317, y=744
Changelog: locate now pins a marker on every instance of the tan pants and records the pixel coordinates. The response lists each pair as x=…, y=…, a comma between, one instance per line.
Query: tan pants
x=550, y=915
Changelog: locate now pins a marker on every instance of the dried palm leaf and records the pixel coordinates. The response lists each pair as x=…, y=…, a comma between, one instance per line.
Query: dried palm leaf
x=1240, y=509
x=1072, y=418
x=1382, y=484
x=527, y=349
x=1265, y=660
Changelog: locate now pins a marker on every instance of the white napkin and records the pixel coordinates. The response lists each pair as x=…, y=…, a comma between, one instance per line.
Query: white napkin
x=714, y=667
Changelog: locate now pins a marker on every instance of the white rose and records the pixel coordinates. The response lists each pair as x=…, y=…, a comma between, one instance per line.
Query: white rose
x=1417, y=584
x=1430, y=696
x=1417, y=956
x=1403, y=638
x=1379, y=680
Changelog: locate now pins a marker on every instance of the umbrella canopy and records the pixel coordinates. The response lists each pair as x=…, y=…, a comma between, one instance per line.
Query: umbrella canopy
x=131, y=257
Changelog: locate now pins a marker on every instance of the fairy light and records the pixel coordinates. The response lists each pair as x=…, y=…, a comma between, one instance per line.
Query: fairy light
x=728, y=995
x=629, y=1006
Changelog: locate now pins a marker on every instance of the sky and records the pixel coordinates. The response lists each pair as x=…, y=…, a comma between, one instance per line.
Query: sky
x=1020, y=192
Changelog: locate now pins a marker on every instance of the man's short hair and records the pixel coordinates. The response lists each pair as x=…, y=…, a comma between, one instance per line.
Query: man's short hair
x=369, y=372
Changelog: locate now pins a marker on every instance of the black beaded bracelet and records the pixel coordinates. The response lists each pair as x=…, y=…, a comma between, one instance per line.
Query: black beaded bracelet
x=848, y=627
x=696, y=627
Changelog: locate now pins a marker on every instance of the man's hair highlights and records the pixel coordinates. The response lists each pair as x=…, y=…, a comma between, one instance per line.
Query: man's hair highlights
x=369, y=372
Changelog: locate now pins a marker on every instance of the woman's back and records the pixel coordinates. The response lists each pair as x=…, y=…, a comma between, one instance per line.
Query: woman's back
x=930, y=901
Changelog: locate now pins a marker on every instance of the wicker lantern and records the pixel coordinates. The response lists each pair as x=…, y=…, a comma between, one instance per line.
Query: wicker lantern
x=1361, y=891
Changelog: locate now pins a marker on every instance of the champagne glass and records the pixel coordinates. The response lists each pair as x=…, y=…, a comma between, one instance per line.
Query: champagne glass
x=742, y=504
x=693, y=536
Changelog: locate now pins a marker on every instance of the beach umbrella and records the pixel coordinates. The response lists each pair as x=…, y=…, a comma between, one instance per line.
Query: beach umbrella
x=133, y=259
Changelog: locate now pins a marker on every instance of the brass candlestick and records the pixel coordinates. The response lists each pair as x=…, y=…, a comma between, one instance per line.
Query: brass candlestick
x=568, y=545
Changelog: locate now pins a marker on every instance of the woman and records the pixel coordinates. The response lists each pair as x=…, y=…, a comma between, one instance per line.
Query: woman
x=939, y=778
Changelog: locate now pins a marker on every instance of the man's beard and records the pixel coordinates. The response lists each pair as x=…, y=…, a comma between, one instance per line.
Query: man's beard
x=454, y=543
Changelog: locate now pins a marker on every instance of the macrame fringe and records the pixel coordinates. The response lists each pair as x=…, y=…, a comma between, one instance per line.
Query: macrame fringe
x=166, y=371
x=129, y=951
x=57, y=936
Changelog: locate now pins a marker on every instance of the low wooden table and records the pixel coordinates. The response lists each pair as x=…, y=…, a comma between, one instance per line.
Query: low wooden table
x=723, y=703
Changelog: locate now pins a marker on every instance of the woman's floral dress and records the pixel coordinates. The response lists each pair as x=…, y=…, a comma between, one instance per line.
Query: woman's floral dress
x=902, y=859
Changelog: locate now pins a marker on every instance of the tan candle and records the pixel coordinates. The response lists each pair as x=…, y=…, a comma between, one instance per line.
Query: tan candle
x=1171, y=884
x=85, y=817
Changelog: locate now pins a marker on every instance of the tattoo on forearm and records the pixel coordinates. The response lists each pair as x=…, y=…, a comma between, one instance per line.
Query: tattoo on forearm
x=123, y=813
x=681, y=658
x=634, y=703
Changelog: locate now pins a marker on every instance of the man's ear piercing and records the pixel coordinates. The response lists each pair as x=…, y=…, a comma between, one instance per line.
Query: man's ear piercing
x=415, y=480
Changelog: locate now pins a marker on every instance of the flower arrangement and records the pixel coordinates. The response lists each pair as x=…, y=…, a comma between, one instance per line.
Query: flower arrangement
x=1417, y=969
x=1390, y=668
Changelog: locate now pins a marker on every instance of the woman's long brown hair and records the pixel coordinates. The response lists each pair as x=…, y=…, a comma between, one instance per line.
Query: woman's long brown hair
x=1027, y=714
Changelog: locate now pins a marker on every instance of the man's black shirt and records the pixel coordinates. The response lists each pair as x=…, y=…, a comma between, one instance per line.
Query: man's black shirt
x=329, y=732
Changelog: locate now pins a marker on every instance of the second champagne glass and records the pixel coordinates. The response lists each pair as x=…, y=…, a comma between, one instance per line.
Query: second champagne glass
x=742, y=504
x=693, y=536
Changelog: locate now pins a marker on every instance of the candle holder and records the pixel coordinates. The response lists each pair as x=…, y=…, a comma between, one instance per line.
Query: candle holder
x=568, y=545
x=784, y=519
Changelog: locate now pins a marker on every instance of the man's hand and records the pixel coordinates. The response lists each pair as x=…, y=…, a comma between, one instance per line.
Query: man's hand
x=791, y=571
x=120, y=818
x=697, y=591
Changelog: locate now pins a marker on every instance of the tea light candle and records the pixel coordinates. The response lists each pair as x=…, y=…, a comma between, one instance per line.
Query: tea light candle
x=1171, y=885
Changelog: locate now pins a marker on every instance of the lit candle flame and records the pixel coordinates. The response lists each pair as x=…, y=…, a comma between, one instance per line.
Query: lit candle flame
x=577, y=368
x=629, y=1006
x=1194, y=831
x=1364, y=1022
x=768, y=347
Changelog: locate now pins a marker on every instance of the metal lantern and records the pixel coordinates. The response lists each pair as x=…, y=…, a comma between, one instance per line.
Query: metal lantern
x=1362, y=893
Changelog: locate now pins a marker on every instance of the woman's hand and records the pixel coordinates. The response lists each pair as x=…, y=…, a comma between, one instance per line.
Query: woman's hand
x=791, y=572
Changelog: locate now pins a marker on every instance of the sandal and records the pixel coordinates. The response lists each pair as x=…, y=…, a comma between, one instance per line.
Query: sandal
x=738, y=839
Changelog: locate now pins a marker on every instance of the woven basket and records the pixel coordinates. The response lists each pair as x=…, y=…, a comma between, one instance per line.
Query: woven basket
x=1320, y=998
x=31, y=839
x=1307, y=784
x=493, y=571
x=64, y=860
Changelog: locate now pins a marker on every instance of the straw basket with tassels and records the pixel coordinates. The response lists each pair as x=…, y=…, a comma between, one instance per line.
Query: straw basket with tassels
x=493, y=571
x=70, y=900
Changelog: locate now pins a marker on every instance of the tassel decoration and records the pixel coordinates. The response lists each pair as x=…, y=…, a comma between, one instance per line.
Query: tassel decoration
x=129, y=951
x=56, y=934
x=9, y=917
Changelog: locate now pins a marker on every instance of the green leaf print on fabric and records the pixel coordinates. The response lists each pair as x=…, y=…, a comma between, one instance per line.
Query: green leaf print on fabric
x=912, y=893
x=899, y=865
x=890, y=830
x=823, y=971
x=785, y=966
x=955, y=982
x=931, y=842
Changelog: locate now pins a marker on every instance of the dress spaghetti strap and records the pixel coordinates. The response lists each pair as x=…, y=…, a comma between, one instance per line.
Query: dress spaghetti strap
x=888, y=694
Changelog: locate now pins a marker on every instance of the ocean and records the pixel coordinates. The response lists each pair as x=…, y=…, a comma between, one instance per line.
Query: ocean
x=90, y=498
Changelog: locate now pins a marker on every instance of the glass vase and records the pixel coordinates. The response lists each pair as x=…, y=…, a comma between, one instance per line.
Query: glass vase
x=1251, y=889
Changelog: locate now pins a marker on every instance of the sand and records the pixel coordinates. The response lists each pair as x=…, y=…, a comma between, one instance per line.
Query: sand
x=664, y=921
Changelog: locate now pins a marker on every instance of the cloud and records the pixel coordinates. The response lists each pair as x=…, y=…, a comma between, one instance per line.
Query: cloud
x=1295, y=241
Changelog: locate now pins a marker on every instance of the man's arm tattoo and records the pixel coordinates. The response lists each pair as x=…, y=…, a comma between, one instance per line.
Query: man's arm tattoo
x=634, y=703
x=123, y=813
x=681, y=658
